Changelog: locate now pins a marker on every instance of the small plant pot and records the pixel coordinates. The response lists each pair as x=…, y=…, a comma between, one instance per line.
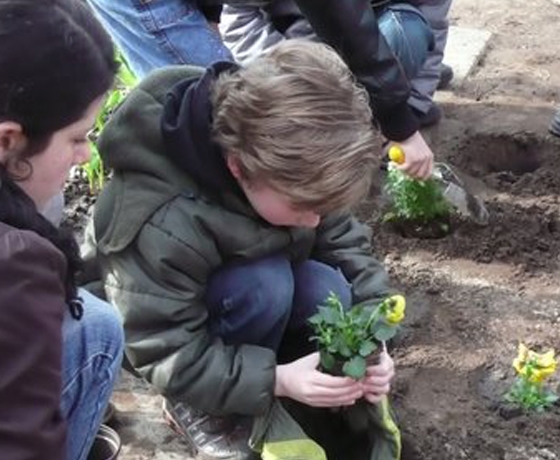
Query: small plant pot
x=106, y=446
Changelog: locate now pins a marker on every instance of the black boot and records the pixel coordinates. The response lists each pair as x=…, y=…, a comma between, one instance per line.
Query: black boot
x=445, y=77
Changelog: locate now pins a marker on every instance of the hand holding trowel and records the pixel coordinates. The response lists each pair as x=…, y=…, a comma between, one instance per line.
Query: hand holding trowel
x=452, y=187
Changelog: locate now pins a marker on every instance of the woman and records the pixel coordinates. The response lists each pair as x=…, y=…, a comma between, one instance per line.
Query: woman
x=60, y=347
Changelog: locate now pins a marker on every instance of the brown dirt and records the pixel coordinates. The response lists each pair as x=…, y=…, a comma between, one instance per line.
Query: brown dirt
x=475, y=294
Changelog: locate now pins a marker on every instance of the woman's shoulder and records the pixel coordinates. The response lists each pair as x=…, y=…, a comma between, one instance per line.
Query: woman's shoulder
x=22, y=250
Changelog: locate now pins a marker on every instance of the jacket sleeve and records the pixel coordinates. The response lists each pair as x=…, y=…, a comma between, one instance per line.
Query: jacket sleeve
x=344, y=242
x=350, y=26
x=158, y=283
x=247, y=31
x=32, y=307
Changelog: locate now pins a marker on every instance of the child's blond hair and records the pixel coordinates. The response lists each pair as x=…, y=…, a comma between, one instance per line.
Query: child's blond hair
x=296, y=120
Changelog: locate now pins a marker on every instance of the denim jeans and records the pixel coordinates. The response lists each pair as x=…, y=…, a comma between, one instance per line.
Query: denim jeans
x=262, y=302
x=157, y=33
x=408, y=35
x=92, y=354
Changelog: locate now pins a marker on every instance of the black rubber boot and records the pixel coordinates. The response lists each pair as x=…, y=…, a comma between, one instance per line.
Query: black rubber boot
x=445, y=77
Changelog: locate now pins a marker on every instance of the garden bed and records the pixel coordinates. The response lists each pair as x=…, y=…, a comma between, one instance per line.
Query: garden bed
x=472, y=295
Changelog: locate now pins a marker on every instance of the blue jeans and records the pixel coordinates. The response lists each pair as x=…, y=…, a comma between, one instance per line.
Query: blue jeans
x=408, y=35
x=157, y=33
x=267, y=301
x=92, y=354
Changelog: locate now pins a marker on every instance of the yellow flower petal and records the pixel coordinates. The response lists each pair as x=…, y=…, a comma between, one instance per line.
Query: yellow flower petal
x=395, y=307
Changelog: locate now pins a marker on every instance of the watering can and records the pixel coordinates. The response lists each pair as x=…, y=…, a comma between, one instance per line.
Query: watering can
x=452, y=187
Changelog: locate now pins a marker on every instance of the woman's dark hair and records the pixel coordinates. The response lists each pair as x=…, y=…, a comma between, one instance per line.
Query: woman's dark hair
x=55, y=60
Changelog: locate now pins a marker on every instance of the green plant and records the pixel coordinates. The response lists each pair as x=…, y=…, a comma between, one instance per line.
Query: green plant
x=533, y=369
x=347, y=337
x=124, y=82
x=418, y=201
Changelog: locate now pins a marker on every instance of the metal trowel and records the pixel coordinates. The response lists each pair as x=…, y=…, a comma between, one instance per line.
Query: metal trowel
x=452, y=188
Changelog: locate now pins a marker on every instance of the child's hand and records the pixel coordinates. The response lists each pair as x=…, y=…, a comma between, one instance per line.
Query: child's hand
x=377, y=381
x=300, y=380
x=419, y=158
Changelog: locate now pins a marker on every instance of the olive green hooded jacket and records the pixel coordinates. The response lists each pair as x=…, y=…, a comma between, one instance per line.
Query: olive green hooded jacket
x=159, y=234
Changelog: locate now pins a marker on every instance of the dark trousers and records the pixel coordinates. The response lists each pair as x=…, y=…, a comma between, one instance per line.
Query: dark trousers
x=267, y=302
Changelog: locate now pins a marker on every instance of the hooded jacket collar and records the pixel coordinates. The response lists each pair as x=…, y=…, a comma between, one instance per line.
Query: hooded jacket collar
x=186, y=128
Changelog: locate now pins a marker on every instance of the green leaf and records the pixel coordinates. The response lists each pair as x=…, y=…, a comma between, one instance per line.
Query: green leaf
x=327, y=361
x=384, y=332
x=355, y=368
x=367, y=348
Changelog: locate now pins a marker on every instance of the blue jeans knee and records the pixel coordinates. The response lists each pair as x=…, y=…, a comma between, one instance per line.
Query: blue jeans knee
x=314, y=282
x=408, y=34
x=251, y=302
x=92, y=354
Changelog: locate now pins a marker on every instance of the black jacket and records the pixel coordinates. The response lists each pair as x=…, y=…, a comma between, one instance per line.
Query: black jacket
x=350, y=26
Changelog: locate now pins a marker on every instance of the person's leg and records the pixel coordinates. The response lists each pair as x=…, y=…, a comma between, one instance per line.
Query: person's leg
x=425, y=83
x=250, y=302
x=313, y=283
x=158, y=33
x=408, y=34
x=92, y=355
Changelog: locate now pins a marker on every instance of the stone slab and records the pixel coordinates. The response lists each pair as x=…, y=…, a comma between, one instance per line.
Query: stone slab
x=465, y=47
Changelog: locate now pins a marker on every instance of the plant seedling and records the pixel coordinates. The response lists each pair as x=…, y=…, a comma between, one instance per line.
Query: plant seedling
x=418, y=201
x=346, y=338
x=93, y=168
x=533, y=369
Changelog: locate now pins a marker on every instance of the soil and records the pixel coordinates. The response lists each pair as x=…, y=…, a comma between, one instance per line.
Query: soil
x=475, y=294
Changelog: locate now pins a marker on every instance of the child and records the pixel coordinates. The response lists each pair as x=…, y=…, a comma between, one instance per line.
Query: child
x=226, y=224
x=60, y=347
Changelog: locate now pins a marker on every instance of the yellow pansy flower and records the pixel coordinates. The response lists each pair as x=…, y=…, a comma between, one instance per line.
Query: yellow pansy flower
x=393, y=309
x=535, y=367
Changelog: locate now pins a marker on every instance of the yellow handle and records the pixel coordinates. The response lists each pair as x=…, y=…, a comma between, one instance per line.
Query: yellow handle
x=396, y=154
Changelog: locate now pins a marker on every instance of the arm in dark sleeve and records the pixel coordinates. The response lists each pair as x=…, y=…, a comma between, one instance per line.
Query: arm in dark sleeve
x=32, y=306
x=350, y=26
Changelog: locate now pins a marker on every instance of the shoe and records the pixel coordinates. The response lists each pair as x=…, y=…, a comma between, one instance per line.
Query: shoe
x=445, y=77
x=211, y=437
x=555, y=124
x=106, y=445
x=431, y=117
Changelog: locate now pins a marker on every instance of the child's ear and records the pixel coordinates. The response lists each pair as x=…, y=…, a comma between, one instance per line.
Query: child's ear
x=233, y=166
x=12, y=139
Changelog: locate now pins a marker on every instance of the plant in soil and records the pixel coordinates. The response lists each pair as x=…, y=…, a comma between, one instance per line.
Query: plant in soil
x=346, y=338
x=529, y=391
x=416, y=203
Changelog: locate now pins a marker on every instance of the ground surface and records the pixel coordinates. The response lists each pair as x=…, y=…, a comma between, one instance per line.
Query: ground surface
x=472, y=295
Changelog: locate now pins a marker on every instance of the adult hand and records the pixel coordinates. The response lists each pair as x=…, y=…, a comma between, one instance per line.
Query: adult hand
x=419, y=159
x=300, y=380
x=377, y=381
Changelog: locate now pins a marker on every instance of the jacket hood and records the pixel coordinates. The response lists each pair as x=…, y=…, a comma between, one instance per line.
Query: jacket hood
x=158, y=146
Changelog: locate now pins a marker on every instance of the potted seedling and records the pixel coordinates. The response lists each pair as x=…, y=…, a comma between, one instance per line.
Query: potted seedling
x=350, y=339
x=417, y=207
x=529, y=391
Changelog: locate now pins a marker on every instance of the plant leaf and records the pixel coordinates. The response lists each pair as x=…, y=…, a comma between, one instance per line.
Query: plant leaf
x=367, y=348
x=384, y=332
x=355, y=368
x=327, y=360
